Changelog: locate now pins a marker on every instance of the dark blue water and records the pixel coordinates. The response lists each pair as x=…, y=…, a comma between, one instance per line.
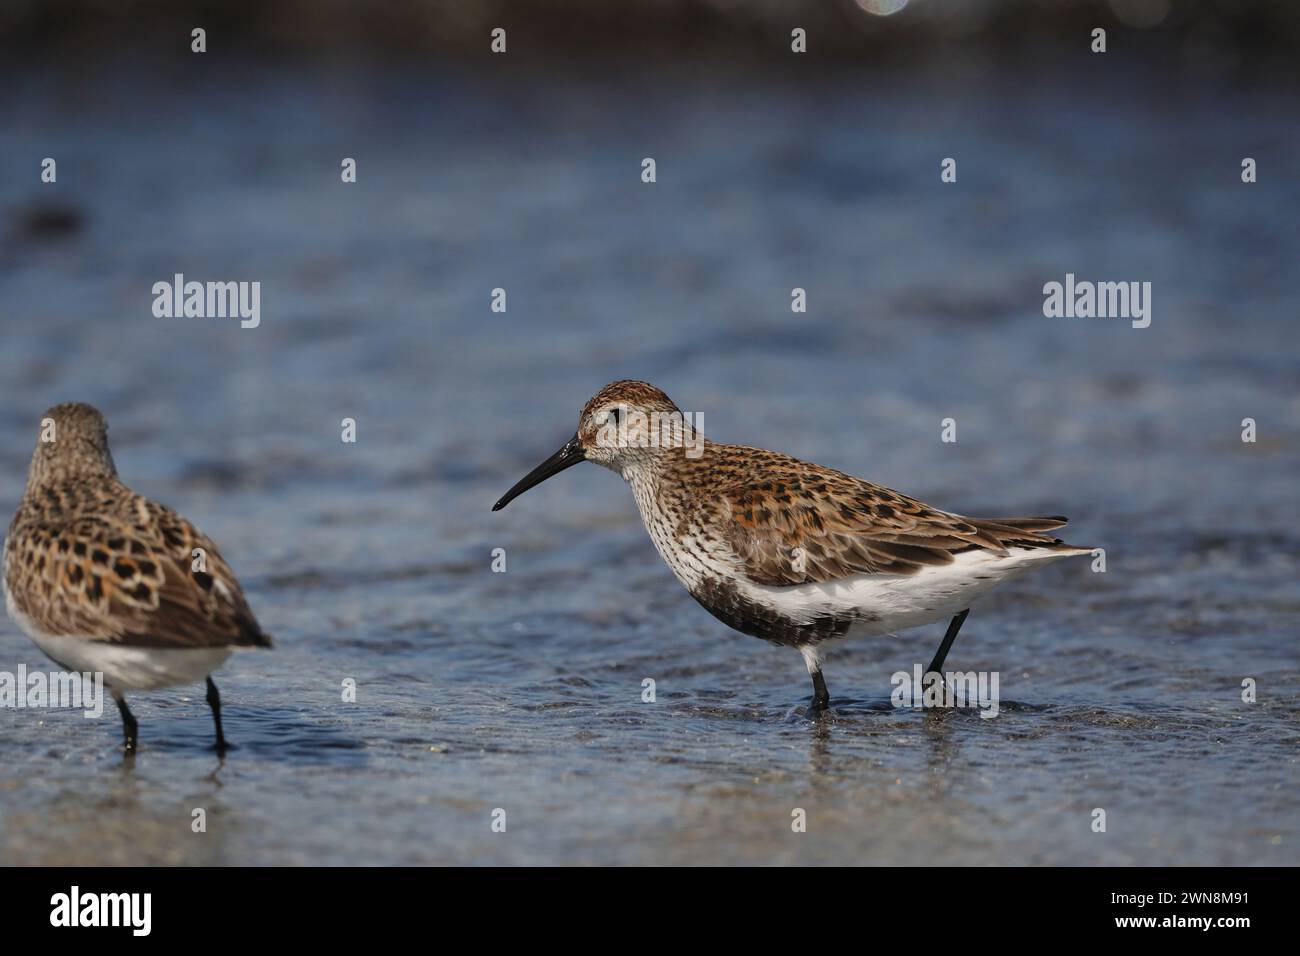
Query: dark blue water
x=522, y=690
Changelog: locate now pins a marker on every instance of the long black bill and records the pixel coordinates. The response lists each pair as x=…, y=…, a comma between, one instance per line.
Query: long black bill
x=566, y=457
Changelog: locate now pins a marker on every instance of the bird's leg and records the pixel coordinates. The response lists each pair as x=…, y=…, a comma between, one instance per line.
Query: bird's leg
x=936, y=665
x=130, y=726
x=214, y=701
x=821, y=696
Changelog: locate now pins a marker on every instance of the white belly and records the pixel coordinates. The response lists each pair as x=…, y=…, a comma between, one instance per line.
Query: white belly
x=883, y=603
x=124, y=668
x=132, y=668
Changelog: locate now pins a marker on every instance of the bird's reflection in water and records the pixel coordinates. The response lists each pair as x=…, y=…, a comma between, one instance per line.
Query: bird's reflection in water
x=852, y=723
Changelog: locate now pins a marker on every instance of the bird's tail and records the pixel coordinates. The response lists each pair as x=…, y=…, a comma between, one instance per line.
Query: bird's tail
x=1029, y=533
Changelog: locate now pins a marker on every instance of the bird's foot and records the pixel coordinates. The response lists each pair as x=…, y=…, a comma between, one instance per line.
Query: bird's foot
x=818, y=707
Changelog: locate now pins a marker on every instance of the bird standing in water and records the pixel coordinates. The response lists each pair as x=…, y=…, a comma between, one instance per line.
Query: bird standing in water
x=106, y=581
x=789, y=551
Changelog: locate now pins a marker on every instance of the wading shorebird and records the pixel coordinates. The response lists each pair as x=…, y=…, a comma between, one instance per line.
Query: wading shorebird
x=789, y=551
x=106, y=581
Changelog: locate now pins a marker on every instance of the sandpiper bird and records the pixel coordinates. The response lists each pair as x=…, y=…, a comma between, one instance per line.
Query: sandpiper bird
x=789, y=551
x=106, y=581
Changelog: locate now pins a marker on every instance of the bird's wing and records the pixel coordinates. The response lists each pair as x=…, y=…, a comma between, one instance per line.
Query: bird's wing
x=134, y=583
x=801, y=524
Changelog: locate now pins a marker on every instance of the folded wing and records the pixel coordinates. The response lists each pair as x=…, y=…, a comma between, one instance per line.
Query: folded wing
x=803, y=525
x=140, y=584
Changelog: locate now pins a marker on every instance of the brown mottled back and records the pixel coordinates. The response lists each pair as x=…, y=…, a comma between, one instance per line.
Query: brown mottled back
x=85, y=556
x=771, y=504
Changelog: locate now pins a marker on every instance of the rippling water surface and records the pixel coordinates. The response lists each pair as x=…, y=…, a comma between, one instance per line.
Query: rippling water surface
x=522, y=690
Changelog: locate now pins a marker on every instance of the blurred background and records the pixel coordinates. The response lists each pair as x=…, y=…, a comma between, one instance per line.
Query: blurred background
x=775, y=170
x=1230, y=33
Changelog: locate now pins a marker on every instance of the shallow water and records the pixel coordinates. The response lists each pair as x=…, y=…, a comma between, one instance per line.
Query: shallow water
x=522, y=690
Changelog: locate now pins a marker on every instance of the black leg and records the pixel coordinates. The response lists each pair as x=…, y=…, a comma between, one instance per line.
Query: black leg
x=130, y=726
x=214, y=701
x=936, y=665
x=821, y=696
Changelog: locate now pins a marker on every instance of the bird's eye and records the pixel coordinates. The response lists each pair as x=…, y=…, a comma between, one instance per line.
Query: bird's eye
x=611, y=414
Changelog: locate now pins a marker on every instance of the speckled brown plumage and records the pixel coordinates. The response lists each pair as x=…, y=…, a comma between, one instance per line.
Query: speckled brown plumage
x=86, y=556
x=763, y=505
x=786, y=550
x=772, y=504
